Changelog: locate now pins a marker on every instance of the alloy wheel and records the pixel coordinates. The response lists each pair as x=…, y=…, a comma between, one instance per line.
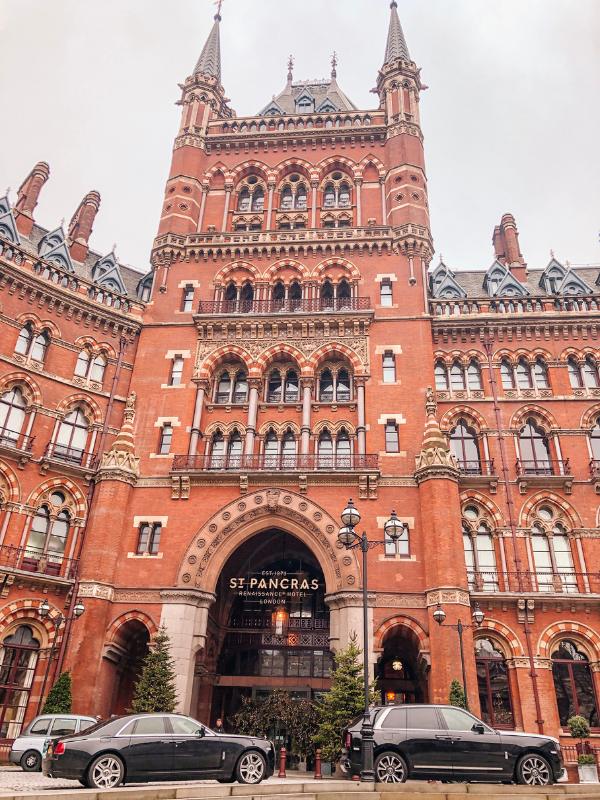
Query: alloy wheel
x=252, y=768
x=535, y=771
x=106, y=773
x=390, y=769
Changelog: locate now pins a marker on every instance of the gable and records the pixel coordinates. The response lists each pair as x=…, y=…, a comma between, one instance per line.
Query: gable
x=106, y=272
x=4, y=205
x=60, y=256
x=494, y=277
x=8, y=229
x=574, y=284
x=510, y=287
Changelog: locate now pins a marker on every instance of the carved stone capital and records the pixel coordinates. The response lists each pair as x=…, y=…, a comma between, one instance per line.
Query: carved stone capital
x=188, y=597
x=98, y=591
x=337, y=600
x=448, y=595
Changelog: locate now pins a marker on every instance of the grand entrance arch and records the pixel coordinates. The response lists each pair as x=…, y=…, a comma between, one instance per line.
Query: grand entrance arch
x=403, y=665
x=193, y=612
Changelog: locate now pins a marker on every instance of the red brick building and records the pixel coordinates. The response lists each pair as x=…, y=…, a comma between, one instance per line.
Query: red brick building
x=176, y=448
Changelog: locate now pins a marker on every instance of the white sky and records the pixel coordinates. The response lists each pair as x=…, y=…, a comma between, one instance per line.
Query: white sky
x=511, y=120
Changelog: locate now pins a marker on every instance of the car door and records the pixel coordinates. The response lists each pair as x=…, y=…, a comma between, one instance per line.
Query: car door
x=428, y=745
x=197, y=749
x=148, y=747
x=477, y=750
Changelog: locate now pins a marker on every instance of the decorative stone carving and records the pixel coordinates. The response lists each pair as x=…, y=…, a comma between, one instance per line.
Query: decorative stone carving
x=435, y=459
x=445, y=596
x=120, y=462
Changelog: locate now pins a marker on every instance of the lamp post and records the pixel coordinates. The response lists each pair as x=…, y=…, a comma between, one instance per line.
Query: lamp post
x=477, y=616
x=57, y=621
x=348, y=536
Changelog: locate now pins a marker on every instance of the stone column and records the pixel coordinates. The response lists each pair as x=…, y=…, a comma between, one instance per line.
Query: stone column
x=202, y=207
x=185, y=614
x=228, y=189
x=361, y=430
x=313, y=214
x=271, y=188
x=307, y=384
x=254, y=384
x=346, y=619
x=358, y=185
x=198, y=406
x=383, y=202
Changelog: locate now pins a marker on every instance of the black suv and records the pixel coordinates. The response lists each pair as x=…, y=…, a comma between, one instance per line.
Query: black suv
x=448, y=743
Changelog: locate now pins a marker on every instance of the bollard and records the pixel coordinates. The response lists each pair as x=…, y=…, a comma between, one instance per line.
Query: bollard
x=318, y=773
x=282, y=758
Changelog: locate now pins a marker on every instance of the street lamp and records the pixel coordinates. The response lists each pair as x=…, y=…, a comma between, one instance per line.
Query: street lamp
x=57, y=621
x=350, y=539
x=477, y=616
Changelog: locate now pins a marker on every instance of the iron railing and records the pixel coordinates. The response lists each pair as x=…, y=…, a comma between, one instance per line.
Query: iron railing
x=275, y=463
x=543, y=581
x=480, y=467
x=543, y=466
x=283, y=306
x=16, y=439
x=74, y=456
x=31, y=559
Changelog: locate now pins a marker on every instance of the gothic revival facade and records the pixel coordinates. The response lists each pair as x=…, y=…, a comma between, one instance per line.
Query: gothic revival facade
x=176, y=448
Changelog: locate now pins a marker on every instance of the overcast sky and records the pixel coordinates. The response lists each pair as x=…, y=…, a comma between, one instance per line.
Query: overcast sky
x=511, y=119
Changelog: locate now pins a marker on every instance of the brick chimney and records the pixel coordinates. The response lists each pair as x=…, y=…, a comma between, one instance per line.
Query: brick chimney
x=506, y=246
x=81, y=225
x=27, y=196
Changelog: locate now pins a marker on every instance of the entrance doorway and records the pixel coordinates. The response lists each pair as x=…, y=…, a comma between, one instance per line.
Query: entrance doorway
x=401, y=669
x=269, y=627
x=131, y=644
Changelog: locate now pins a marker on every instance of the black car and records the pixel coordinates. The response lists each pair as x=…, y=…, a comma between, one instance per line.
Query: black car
x=448, y=743
x=157, y=747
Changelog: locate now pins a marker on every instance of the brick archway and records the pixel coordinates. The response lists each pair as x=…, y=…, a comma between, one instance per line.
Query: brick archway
x=241, y=519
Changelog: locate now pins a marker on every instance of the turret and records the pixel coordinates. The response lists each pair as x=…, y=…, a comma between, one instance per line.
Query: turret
x=80, y=227
x=28, y=195
x=506, y=246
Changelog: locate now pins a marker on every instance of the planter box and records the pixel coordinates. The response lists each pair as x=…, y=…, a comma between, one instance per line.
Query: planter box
x=588, y=773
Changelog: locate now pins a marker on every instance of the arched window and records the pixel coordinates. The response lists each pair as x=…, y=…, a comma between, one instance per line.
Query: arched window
x=18, y=659
x=326, y=386
x=278, y=293
x=292, y=389
x=12, y=415
x=474, y=376
x=441, y=377
x=457, y=377
x=552, y=555
x=344, y=293
x=83, y=363
x=590, y=373
x=540, y=374
x=24, y=339
x=234, y=451
x=258, y=200
x=492, y=681
x=524, y=377
x=246, y=297
x=344, y=196
x=231, y=293
x=97, y=369
x=48, y=535
x=463, y=443
x=295, y=295
x=217, y=451
x=595, y=440
x=301, y=198
x=240, y=387
x=574, y=684
x=274, y=387
x=287, y=199
x=327, y=293
x=575, y=373
x=343, y=391
x=329, y=196
x=288, y=451
x=244, y=201
x=39, y=346
x=343, y=458
x=271, y=450
x=507, y=374
x=534, y=450
x=325, y=450
x=480, y=554
x=71, y=439
x=223, y=394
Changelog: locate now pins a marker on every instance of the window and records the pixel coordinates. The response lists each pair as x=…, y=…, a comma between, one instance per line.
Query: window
x=507, y=375
x=40, y=728
x=524, y=377
x=474, y=376
x=217, y=451
x=232, y=386
x=463, y=444
x=326, y=386
x=385, y=293
x=325, y=450
x=343, y=458
x=342, y=394
x=573, y=684
x=278, y=293
x=392, y=444
x=329, y=196
x=492, y=681
x=151, y=726
x=456, y=719
x=18, y=659
x=187, y=299
x=234, y=451
x=148, y=538
x=12, y=415
x=166, y=437
x=39, y=346
x=246, y=297
x=258, y=200
x=288, y=451
x=552, y=556
x=327, y=294
x=91, y=368
x=457, y=377
x=274, y=387
x=441, y=376
x=271, y=450
x=176, y=371
x=71, y=439
x=422, y=718
x=395, y=718
x=98, y=368
x=594, y=440
x=223, y=388
x=240, y=388
x=82, y=364
x=480, y=554
x=182, y=726
x=534, y=450
x=48, y=533
x=389, y=367
x=590, y=374
x=244, y=201
x=287, y=200
x=292, y=389
x=62, y=726
x=540, y=374
x=31, y=344
x=575, y=374
x=24, y=339
x=398, y=547
x=231, y=293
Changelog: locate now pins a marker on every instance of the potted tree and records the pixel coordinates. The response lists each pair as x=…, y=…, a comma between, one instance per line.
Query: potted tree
x=586, y=761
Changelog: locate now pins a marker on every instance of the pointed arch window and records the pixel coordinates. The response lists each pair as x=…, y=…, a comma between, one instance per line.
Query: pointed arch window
x=327, y=294
x=82, y=364
x=534, y=450
x=18, y=660
x=457, y=377
x=234, y=451
x=343, y=456
x=344, y=291
x=523, y=373
x=492, y=680
x=292, y=388
x=231, y=293
x=301, y=198
x=540, y=374
x=217, y=451
x=24, y=339
x=258, y=200
x=295, y=295
x=595, y=441
x=34, y=345
x=325, y=450
x=480, y=553
x=287, y=199
x=326, y=386
x=441, y=377
x=271, y=450
x=590, y=373
x=288, y=451
x=343, y=389
x=246, y=297
x=574, y=684
x=223, y=394
x=552, y=555
x=244, y=201
x=344, y=196
x=48, y=533
x=39, y=347
x=274, y=387
x=240, y=387
x=278, y=292
x=575, y=373
x=12, y=415
x=329, y=196
x=507, y=374
x=72, y=436
x=464, y=445
x=474, y=376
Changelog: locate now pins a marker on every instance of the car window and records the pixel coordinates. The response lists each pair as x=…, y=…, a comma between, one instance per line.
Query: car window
x=40, y=727
x=150, y=726
x=84, y=724
x=183, y=726
x=128, y=729
x=396, y=718
x=423, y=718
x=63, y=726
x=457, y=720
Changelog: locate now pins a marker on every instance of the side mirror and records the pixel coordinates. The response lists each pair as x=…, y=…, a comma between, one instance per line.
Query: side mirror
x=201, y=731
x=478, y=728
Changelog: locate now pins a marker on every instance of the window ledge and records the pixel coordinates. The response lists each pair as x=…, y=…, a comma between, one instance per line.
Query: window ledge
x=402, y=453
x=397, y=557
x=161, y=455
x=144, y=555
x=173, y=386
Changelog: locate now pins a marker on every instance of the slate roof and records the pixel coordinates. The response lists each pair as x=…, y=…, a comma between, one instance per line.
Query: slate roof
x=325, y=96
x=396, y=46
x=209, y=62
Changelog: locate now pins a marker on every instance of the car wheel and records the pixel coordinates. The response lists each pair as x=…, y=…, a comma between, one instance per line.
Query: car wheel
x=251, y=768
x=534, y=770
x=105, y=772
x=390, y=768
x=31, y=761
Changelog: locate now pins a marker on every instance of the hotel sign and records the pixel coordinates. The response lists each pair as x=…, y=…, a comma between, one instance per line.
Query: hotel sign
x=273, y=586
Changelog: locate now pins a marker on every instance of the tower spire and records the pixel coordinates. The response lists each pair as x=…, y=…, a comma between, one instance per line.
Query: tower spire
x=209, y=62
x=396, y=47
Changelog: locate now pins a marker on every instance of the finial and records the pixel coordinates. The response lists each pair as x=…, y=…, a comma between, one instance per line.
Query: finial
x=551, y=253
x=290, y=66
x=7, y=190
x=114, y=247
x=334, y=63
x=218, y=4
x=430, y=402
x=62, y=223
x=393, y=4
x=568, y=264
